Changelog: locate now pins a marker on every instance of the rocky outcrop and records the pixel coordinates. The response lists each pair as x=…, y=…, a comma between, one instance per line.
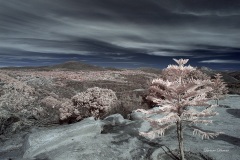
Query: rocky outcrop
x=112, y=138
x=49, y=142
x=116, y=138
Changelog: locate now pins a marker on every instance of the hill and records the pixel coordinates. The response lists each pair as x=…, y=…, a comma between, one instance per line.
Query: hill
x=76, y=65
x=68, y=66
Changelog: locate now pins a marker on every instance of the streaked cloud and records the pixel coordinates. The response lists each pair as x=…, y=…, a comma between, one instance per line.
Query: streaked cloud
x=221, y=61
x=170, y=54
x=119, y=30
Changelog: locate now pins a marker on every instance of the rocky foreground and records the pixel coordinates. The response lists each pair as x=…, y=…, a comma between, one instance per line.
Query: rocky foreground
x=30, y=129
x=116, y=138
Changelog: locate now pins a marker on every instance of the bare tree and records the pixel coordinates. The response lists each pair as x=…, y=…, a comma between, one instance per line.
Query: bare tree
x=182, y=99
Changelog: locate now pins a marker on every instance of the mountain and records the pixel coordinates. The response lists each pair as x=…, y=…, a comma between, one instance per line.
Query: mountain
x=76, y=65
x=228, y=77
x=69, y=66
x=231, y=78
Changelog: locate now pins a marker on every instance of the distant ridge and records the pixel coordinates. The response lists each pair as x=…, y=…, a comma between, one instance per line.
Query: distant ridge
x=68, y=66
x=227, y=77
x=76, y=65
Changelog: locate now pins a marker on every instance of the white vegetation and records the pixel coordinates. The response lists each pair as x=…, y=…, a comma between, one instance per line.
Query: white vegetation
x=219, y=88
x=94, y=102
x=179, y=95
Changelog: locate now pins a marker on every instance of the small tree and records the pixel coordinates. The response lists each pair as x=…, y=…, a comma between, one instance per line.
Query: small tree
x=219, y=88
x=179, y=97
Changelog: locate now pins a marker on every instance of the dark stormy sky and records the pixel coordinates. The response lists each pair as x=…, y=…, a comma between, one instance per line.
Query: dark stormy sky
x=120, y=33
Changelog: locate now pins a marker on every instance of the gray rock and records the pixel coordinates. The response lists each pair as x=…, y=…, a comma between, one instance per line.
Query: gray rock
x=139, y=116
x=51, y=140
x=136, y=115
x=116, y=119
x=89, y=139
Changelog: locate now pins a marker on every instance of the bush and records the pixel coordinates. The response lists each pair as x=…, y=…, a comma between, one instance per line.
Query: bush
x=16, y=101
x=50, y=102
x=96, y=102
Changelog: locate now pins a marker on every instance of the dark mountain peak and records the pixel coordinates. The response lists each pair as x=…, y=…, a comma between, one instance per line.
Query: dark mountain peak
x=76, y=65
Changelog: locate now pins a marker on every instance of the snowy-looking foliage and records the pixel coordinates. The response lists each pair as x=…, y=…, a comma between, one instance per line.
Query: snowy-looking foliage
x=180, y=95
x=219, y=88
x=94, y=102
x=172, y=75
x=17, y=95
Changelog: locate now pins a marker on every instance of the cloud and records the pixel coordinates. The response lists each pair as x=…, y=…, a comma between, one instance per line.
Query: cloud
x=127, y=58
x=118, y=22
x=128, y=28
x=222, y=61
x=206, y=14
x=170, y=54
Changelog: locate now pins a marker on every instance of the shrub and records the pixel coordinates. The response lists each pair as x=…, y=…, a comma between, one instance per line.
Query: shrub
x=96, y=102
x=16, y=101
x=50, y=102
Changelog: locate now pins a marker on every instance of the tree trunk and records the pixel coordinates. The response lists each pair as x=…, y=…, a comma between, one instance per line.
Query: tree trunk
x=180, y=140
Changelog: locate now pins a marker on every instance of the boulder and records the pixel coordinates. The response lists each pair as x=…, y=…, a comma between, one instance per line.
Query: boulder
x=116, y=119
x=55, y=140
x=90, y=139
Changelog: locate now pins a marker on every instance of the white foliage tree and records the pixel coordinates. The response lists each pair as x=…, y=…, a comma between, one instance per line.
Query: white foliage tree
x=219, y=88
x=179, y=96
